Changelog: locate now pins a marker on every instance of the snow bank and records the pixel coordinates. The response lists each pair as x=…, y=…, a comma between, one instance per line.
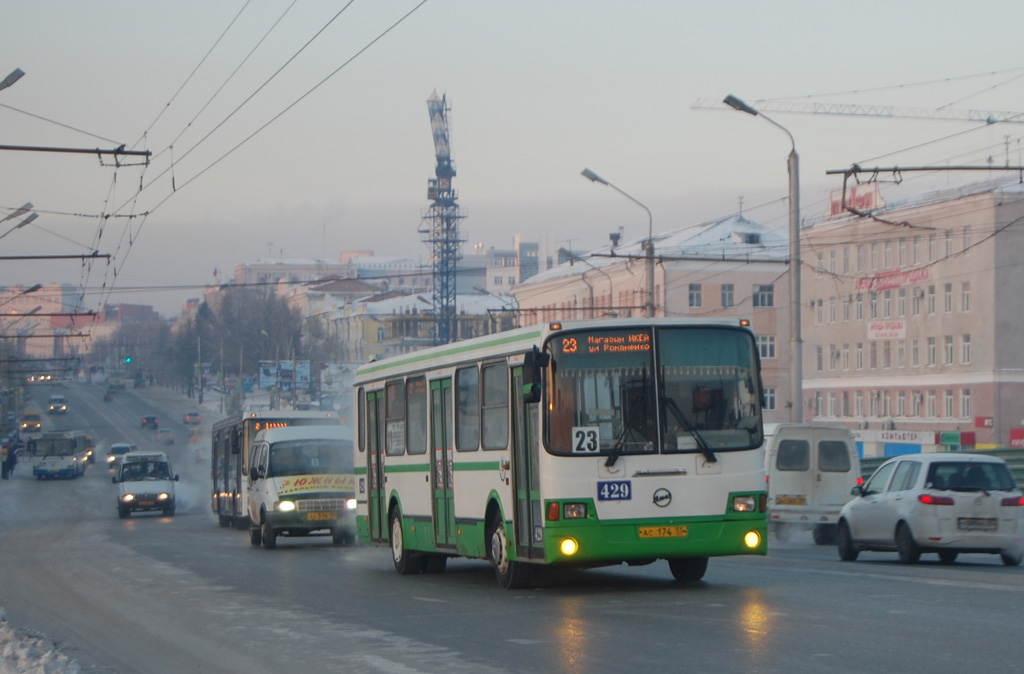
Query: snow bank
x=24, y=653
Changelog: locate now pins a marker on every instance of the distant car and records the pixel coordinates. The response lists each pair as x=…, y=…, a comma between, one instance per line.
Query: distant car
x=191, y=418
x=31, y=422
x=165, y=437
x=58, y=405
x=116, y=452
x=948, y=503
x=151, y=422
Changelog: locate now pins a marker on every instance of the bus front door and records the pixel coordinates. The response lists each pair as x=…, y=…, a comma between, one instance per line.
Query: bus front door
x=441, y=449
x=528, y=511
x=377, y=491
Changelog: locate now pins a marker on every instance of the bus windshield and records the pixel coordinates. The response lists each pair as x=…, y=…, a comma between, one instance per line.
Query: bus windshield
x=653, y=390
x=53, y=447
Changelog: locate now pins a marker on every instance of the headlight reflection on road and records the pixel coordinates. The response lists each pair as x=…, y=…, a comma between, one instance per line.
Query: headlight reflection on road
x=757, y=622
x=572, y=634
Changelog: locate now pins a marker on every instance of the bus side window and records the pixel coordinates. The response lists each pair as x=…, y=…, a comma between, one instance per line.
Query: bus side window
x=495, y=406
x=467, y=418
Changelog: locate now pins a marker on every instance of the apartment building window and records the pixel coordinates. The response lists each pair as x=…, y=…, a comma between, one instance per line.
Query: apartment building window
x=888, y=255
x=818, y=404
x=497, y=280
x=931, y=352
x=965, y=403
x=887, y=404
x=831, y=403
x=860, y=258
x=727, y=295
x=821, y=264
x=930, y=404
x=949, y=244
x=846, y=260
x=832, y=309
x=947, y=404
x=874, y=403
x=764, y=295
x=886, y=354
x=858, y=404
x=873, y=355
x=933, y=247
x=846, y=356
x=947, y=298
x=818, y=312
x=902, y=255
x=915, y=353
x=695, y=296
x=846, y=308
x=930, y=306
x=769, y=398
x=819, y=357
x=860, y=355
x=887, y=304
x=833, y=356
x=858, y=307
x=845, y=404
x=915, y=251
x=832, y=262
x=948, y=350
x=766, y=346
x=874, y=256
x=967, y=239
x=915, y=404
x=915, y=301
x=901, y=404
x=965, y=350
x=965, y=296
x=873, y=306
x=901, y=302
x=901, y=353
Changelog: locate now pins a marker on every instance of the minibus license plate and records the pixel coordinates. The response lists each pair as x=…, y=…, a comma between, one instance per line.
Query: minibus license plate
x=977, y=524
x=146, y=504
x=663, y=532
x=321, y=516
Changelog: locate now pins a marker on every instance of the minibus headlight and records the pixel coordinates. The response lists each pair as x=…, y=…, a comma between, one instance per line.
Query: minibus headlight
x=286, y=506
x=162, y=497
x=350, y=504
x=127, y=498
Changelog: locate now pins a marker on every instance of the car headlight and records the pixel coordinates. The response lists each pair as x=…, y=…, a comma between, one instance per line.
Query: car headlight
x=162, y=497
x=286, y=506
x=127, y=498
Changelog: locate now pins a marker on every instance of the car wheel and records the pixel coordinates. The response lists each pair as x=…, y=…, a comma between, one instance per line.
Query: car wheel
x=123, y=512
x=406, y=562
x=511, y=575
x=905, y=545
x=947, y=556
x=844, y=543
x=1011, y=558
x=688, y=569
x=255, y=537
x=268, y=535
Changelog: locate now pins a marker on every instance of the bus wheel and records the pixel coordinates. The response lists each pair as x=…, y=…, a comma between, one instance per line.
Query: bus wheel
x=688, y=569
x=406, y=562
x=436, y=563
x=268, y=536
x=511, y=575
x=255, y=537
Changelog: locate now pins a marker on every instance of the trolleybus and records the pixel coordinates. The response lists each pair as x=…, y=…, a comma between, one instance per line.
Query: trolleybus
x=231, y=443
x=580, y=443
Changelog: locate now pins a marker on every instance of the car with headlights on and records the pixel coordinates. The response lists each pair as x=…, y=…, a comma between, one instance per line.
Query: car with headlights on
x=117, y=452
x=144, y=482
x=31, y=422
x=947, y=503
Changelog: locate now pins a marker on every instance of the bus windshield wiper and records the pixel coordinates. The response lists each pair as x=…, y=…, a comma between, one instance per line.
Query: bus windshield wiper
x=627, y=428
x=702, y=444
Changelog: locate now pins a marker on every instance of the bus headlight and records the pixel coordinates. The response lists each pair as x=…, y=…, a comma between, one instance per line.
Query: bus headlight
x=568, y=546
x=752, y=539
x=286, y=506
x=744, y=504
x=574, y=511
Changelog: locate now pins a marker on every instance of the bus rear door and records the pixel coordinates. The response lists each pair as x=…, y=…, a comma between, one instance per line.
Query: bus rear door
x=441, y=444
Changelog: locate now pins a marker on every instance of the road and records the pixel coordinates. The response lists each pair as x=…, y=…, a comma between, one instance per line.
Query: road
x=154, y=594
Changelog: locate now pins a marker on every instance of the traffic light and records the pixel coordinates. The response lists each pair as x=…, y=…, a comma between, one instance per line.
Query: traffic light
x=127, y=360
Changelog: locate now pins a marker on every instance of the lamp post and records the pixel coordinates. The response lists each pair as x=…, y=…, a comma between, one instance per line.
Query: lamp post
x=796, y=411
x=12, y=78
x=648, y=245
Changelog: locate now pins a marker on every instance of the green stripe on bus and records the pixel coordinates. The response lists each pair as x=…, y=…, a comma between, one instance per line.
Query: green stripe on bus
x=477, y=465
x=409, y=468
x=388, y=363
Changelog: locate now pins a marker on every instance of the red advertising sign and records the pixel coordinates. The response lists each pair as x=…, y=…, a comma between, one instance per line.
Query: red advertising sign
x=984, y=422
x=1017, y=437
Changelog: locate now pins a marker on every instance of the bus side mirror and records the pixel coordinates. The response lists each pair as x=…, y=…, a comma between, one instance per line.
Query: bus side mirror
x=254, y=473
x=534, y=363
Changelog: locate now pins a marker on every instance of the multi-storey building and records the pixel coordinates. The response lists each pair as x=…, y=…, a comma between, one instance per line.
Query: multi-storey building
x=913, y=321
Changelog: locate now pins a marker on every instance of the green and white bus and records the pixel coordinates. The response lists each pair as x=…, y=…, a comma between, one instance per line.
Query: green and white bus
x=582, y=443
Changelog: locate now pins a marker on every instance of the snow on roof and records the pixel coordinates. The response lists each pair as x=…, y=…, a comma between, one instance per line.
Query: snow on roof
x=470, y=304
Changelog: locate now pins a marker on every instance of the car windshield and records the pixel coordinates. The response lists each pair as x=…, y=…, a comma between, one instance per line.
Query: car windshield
x=145, y=470
x=970, y=476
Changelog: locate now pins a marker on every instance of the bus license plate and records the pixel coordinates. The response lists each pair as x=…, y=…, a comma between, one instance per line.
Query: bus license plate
x=321, y=516
x=663, y=532
x=614, y=490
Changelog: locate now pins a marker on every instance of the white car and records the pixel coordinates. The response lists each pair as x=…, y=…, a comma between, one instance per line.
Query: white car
x=946, y=503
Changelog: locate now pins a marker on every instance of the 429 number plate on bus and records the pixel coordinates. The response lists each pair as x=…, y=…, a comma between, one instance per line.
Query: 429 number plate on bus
x=614, y=490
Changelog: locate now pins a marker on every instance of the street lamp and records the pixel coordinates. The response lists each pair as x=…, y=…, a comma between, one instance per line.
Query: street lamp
x=31, y=217
x=648, y=245
x=12, y=78
x=796, y=411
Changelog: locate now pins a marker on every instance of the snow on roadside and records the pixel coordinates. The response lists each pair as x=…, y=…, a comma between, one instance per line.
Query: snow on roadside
x=22, y=652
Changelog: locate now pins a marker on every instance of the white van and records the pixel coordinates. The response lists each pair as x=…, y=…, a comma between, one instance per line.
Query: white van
x=144, y=482
x=301, y=480
x=811, y=470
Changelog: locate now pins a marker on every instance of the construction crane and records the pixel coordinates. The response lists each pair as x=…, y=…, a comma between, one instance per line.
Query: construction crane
x=440, y=224
x=857, y=110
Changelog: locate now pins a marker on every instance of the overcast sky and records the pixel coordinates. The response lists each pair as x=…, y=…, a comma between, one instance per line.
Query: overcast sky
x=538, y=89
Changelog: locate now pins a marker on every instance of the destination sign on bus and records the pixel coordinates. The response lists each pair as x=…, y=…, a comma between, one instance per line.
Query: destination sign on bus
x=263, y=425
x=606, y=342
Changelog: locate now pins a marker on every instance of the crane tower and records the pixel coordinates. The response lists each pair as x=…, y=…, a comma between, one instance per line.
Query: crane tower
x=440, y=225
